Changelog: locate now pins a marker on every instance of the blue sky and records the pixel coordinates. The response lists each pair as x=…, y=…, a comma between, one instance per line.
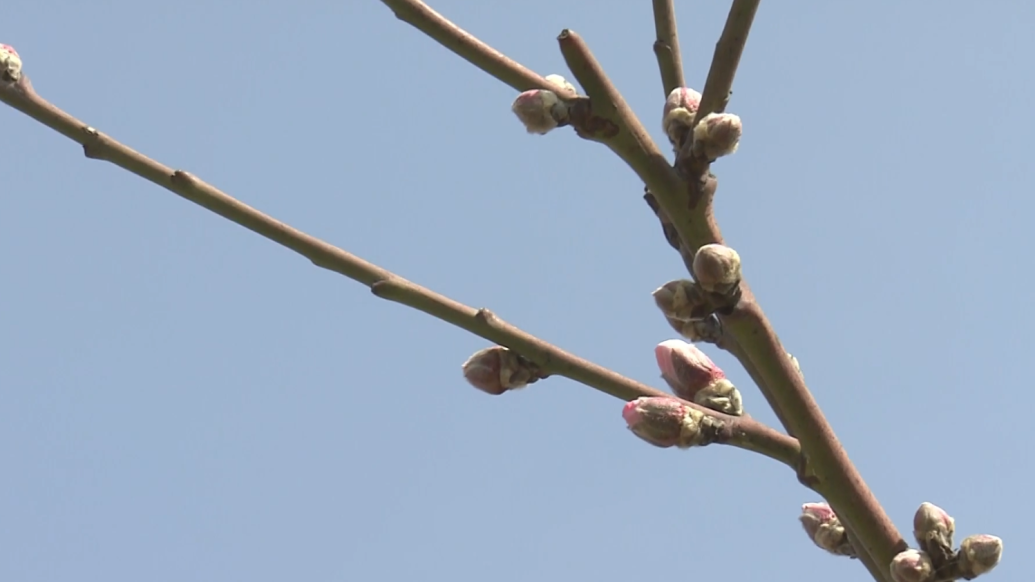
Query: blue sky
x=185, y=400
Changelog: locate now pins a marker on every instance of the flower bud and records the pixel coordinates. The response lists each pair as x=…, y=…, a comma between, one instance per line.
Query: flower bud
x=707, y=330
x=912, y=566
x=693, y=376
x=663, y=422
x=678, y=116
x=717, y=268
x=497, y=369
x=717, y=135
x=979, y=554
x=538, y=110
x=825, y=529
x=10, y=64
x=682, y=299
x=561, y=81
x=933, y=529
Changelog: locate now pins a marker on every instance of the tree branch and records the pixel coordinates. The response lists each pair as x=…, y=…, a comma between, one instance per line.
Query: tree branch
x=718, y=86
x=741, y=432
x=666, y=47
x=423, y=18
x=685, y=197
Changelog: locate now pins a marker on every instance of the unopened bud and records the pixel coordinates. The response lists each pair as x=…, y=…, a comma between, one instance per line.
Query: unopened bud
x=717, y=268
x=707, y=330
x=663, y=422
x=682, y=299
x=10, y=64
x=979, y=554
x=933, y=529
x=693, y=376
x=538, y=110
x=825, y=529
x=912, y=566
x=678, y=116
x=717, y=135
x=497, y=369
x=561, y=81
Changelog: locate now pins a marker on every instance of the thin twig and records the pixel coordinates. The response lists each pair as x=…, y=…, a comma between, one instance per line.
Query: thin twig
x=718, y=87
x=423, y=18
x=666, y=47
x=740, y=432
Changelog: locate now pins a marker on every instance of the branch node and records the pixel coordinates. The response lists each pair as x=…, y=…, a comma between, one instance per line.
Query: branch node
x=183, y=179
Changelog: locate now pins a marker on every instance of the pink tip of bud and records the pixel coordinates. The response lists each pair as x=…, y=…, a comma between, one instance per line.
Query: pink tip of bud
x=678, y=115
x=825, y=529
x=912, y=566
x=10, y=64
x=663, y=422
x=537, y=110
x=686, y=368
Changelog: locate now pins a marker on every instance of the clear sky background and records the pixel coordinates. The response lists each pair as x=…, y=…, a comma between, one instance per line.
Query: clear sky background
x=185, y=400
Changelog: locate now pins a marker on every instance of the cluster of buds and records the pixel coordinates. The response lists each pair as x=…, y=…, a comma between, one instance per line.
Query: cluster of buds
x=936, y=560
x=10, y=64
x=825, y=529
x=664, y=422
x=717, y=135
x=497, y=369
x=693, y=376
x=678, y=117
x=541, y=110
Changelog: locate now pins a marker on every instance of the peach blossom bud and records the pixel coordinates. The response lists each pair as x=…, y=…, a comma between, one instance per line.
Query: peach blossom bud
x=682, y=299
x=678, y=116
x=707, y=330
x=561, y=81
x=912, y=566
x=717, y=268
x=537, y=110
x=497, y=369
x=10, y=64
x=825, y=529
x=717, y=135
x=979, y=554
x=663, y=422
x=693, y=376
x=933, y=529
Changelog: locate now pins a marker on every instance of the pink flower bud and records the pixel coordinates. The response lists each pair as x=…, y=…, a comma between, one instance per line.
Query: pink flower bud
x=693, y=376
x=678, y=116
x=538, y=110
x=10, y=64
x=717, y=268
x=663, y=422
x=933, y=529
x=717, y=135
x=979, y=554
x=825, y=529
x=912, y=566
x=497, y=369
